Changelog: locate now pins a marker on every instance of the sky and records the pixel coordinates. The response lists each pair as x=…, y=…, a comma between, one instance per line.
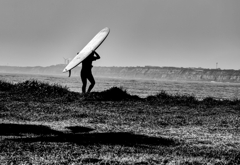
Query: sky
x=178, y=33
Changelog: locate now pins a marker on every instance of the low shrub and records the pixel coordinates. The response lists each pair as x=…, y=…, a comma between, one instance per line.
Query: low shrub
x=6, y=86
x=164, y=98
x=40, y=89
x=112, y=94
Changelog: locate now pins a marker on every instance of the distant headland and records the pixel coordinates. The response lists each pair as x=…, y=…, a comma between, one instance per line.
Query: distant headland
x=146, y=72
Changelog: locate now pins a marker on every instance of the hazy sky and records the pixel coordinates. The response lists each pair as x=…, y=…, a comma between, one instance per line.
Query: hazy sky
x=181, y=33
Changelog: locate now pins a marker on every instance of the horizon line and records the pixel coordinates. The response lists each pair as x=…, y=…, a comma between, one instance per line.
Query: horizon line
x=153, y=66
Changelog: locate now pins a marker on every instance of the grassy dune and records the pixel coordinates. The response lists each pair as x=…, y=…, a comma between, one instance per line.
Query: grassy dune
x=44, y=123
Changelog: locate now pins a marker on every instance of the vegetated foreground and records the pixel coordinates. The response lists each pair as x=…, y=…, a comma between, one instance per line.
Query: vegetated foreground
x=48, y=124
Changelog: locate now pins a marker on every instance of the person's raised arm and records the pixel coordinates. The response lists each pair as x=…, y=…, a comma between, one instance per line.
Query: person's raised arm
x=96, y=55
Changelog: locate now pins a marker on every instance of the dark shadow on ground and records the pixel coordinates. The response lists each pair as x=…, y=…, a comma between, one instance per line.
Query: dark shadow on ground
x=23, y=129
x=79, y=129
x=80, y=137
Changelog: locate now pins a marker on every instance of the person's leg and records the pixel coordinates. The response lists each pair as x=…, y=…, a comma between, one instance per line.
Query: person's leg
x=84, y=81
x=92, y=81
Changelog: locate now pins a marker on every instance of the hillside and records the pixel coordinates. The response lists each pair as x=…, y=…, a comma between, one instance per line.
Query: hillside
x=147, y=72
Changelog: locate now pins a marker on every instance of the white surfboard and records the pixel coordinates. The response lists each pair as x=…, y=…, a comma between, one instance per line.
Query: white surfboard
x=87, y=50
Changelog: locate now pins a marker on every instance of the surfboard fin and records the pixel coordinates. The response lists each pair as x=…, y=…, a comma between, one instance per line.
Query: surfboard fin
x=69, y=73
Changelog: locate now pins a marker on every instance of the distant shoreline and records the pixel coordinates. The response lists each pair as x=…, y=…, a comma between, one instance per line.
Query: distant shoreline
x=117, y=78
x=147, y=72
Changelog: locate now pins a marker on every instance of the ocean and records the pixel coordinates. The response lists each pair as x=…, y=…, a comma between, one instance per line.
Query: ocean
x=140, y=87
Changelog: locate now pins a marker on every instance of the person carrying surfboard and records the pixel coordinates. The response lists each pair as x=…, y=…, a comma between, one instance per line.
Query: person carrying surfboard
x=86, y=57
x=86, y=72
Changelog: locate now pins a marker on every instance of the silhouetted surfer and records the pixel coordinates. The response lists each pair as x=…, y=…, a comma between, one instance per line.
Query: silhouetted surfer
x=86, y=72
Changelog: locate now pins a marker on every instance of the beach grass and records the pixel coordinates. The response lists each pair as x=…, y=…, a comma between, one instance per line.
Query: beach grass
x=45, y=123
